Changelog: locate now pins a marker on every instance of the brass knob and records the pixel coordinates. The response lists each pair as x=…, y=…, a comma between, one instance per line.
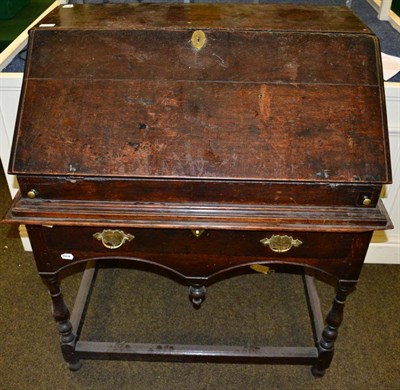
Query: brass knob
x=32, y=194
x=366, y=201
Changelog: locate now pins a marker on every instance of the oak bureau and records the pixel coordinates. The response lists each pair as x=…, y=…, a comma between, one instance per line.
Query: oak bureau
x=201, y=139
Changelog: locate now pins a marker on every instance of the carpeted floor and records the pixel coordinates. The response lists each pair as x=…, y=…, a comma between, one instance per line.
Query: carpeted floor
x=136, y=306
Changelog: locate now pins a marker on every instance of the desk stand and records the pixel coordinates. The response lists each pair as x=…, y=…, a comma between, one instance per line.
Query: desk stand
x=74, y=349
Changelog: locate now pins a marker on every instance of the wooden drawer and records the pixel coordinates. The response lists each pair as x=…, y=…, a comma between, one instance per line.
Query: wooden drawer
x=200, y=257
x=226, y=192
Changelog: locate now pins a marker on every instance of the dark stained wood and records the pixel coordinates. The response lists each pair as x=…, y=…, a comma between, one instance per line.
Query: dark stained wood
x=277, y=126
x=314, y=306
x=208, y=16
x=204, y=216
x=153, y=131
x=64, y=326
x=337, y=254
x=330, y=332
x=198, y=191
x=196, y=353
x=163, y=106
x=234, y=56
x=82, y=297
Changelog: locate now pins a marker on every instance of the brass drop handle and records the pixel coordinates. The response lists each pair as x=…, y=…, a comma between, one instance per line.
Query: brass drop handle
x=280, y=243
x=113, y=239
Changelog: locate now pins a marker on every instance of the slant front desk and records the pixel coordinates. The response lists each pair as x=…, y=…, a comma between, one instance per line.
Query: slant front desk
x=201, y=139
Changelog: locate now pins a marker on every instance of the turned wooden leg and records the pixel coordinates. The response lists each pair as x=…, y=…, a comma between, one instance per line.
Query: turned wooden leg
x=330, y=332
x=61, y=315
x=197, y=295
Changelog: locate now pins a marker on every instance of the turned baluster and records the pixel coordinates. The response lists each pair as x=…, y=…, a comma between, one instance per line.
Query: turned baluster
x=327, y=341
x=61, y=315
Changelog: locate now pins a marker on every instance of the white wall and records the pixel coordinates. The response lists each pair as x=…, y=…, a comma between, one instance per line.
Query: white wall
x=10, y=89
x=385, y=247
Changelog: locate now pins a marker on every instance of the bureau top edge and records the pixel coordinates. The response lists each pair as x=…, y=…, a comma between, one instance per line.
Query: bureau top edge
x=260, y=17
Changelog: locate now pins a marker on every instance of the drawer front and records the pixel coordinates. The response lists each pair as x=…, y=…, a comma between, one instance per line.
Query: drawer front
x=226, y=192
x=199, y=254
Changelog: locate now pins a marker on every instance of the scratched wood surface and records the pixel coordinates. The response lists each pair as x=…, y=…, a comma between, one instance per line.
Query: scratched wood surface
x=214, y=16
x=202, y=130
x=198, y=190
x=245, y=56
x=249, y=105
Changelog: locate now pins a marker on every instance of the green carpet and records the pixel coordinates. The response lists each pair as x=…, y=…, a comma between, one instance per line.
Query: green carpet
x=137, y=306
x=11, y=28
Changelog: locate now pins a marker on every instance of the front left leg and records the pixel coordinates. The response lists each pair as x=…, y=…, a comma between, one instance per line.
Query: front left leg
x=61, y=315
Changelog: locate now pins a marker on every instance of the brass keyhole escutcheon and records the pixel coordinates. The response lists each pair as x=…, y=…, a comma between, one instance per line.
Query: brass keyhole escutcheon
x=198, y=39
x=197, y=232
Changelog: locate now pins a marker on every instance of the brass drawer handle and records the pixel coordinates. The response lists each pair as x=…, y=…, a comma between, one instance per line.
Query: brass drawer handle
x=280, y=243
x=113, y=239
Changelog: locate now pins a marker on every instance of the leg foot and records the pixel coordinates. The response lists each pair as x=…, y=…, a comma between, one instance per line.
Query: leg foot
x=75, y=366
x=317, y=373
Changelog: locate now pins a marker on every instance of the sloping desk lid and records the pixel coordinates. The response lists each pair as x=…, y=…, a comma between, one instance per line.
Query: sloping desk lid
x=275, y=93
